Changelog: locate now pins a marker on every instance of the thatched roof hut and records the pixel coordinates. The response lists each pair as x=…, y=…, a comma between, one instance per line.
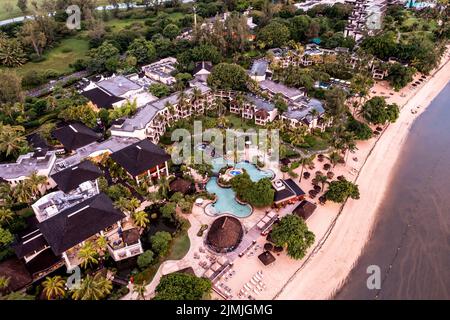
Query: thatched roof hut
x=225, y=234
x=305, y=209
x=266, y=258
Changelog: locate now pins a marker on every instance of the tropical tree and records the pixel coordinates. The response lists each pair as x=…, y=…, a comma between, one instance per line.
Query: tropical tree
x=161, y=242
x=304, y=162
x=35, y=182
x=377, y=111
x=141, y=219
x=54, y=287
x=334, y=158
x=293, y=234
x=182, y=286
x=322, y=179
x=340, y=190
x=12, y=140
x=88, y=255
x=4, y=282
x=5, y=237
x=6, y=216
x=22, y=192
x=93, y=288
x=140, y=290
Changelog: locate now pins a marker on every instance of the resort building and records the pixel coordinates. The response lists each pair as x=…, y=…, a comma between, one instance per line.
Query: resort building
x=272, y=88
x=162, y=70
x=73, y=177
x=151, y=120
x=202, y=70
x=365, y=19
x=112, y=92
x=40, y=162
x=143, y=159
x=259, y=70
x=304, y=111
x=286, y=192
x=75, y=136
x=254, y=107
x=61, y=235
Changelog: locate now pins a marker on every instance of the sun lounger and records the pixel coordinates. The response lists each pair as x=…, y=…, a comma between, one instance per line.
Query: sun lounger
x=259, y=288
x=253, y=281
x=256, y=291
x=246, y=286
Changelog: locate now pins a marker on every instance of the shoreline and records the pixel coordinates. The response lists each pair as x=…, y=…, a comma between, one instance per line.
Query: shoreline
x=349, y=232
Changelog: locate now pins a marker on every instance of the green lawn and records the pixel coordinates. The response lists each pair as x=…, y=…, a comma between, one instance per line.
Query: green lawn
x=180, y=246
x=59, y=58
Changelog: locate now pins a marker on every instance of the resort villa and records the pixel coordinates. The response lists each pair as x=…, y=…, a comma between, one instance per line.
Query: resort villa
x=162, y=70
x=254, y=107
x=143, y=159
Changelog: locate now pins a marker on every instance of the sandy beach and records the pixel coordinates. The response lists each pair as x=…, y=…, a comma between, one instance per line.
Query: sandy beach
x=322, y=273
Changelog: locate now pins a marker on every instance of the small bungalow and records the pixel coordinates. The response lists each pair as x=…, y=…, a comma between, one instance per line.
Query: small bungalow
x=286, y=191
x=305, y=209
x=259, y=70
x=202, y=70
x=143, y=158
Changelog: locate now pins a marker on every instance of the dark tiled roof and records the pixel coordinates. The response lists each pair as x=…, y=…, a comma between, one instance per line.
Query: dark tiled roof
x=76, y=224
x=294, y=187
x=44, y=260
x=70, y=178
x=75, y=136
x=291, y=190
x=101, y=98
x=131, y=236
x=207, y=65
x=29, y=243
x=140, y=157
x=305, y=209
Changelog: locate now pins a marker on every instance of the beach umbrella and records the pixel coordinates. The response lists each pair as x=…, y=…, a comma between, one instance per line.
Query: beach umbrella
x=317, y=188
x=268, y=246
x=306, y=175
x=330, y=175
x=278, y=249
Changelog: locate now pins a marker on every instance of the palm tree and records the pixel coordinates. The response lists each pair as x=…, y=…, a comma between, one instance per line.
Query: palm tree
x=163, y=187
x=54, y=287
x=134, y=203
x=6, y=215
x=12, y=140
x=141, y=219
x=6, y=193
x=140, y=289
x=123, y=204
x=88, y=255
x=101, y=244
x=322, y=179
x=334, y=158
x=35, y=181
x=4, y=282
x=93, y=288
x=22, y=192
x=307, y=161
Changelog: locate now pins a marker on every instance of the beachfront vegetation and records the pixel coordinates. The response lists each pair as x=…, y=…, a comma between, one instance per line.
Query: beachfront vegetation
x=340, y=190
x=377, y=111
x=182, y=286
x=292, y=233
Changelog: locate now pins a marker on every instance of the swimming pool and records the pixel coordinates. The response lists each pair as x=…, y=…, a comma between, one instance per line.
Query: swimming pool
x=226, y=197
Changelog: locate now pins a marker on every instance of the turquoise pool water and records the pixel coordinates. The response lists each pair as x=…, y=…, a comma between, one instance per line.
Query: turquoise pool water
x=226, y=202
x=254, y=173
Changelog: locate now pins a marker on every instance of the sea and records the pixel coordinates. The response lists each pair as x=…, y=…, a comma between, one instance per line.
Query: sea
x=408, y=255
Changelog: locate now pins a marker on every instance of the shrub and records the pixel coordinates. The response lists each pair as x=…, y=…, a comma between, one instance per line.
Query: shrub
x=145, y=259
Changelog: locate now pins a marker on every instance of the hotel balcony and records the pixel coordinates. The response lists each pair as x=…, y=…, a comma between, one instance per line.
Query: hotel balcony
x=125, y=244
